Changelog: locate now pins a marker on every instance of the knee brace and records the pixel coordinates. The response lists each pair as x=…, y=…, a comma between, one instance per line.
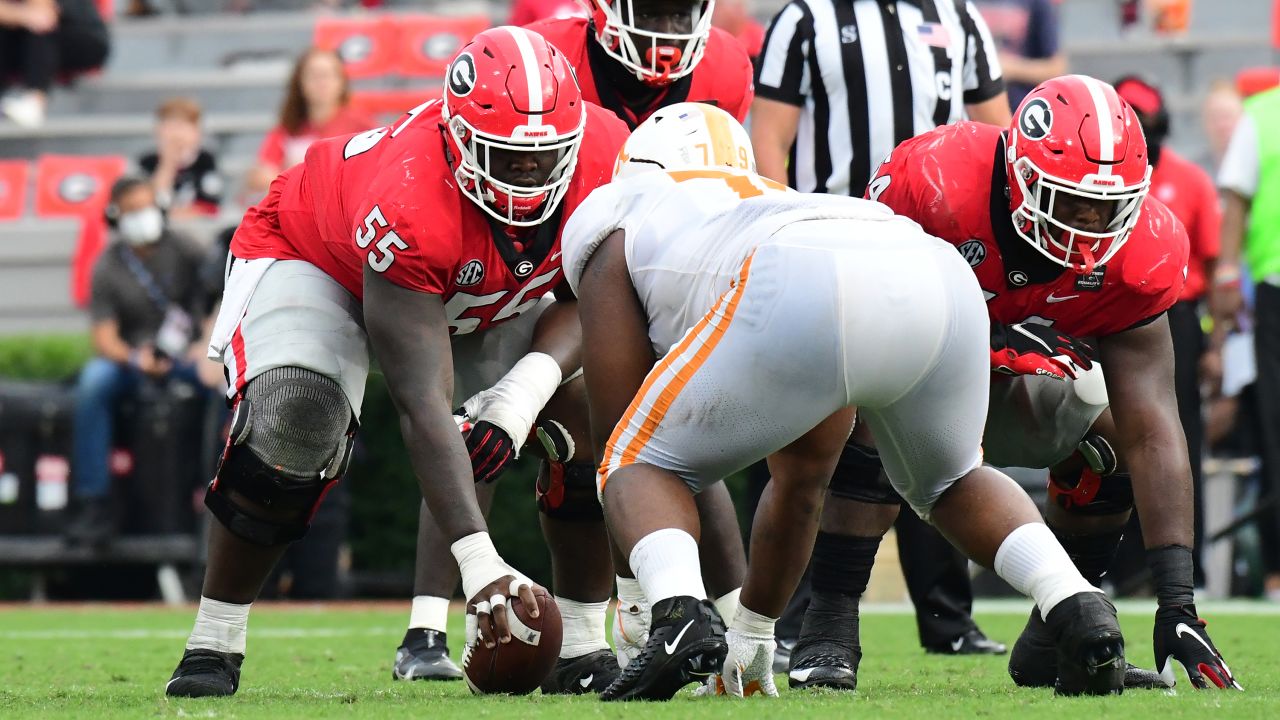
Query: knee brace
x=290, y=441
x=567, y=491
x=1091, y=494
x=860, y=476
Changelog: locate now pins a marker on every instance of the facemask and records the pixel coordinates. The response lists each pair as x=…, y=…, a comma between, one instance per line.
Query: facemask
x=141, y=227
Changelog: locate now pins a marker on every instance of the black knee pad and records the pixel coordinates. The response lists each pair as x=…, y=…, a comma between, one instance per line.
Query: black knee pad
x=1092, y=495
x=567, y=491
x=860, y=476
x=290, y=500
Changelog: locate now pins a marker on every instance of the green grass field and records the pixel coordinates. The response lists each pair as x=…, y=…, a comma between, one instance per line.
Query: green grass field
x=106, y=662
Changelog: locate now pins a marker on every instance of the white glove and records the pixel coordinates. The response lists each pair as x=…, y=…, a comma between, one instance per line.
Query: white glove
x=513, y=403
x=748, y=666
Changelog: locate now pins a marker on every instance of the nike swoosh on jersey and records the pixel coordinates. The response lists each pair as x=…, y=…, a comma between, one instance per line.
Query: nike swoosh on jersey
x=555, y=255
x=1053, y=299
x=671, y=646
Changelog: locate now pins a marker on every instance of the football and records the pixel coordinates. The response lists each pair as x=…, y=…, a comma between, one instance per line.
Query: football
x=517, y=667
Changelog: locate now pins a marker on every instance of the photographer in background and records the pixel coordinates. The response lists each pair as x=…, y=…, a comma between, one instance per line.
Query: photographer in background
x=145, y=308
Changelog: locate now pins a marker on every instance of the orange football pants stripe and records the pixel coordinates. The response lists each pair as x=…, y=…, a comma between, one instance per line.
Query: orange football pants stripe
x=683, y=373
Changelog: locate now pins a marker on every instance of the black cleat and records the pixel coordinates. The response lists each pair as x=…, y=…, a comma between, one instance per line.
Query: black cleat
x=590, y=673
x=686, y=644
x=205, y=673
x=1090, y=648
x=424, y=655
x=974, y=642
x=782, y=655
x=1034, y=660
x=827, y=653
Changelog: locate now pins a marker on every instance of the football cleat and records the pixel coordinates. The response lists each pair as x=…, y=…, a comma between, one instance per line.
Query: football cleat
x=686, y=644
x=827, y=653
x=424, y=655
x=1089, y=646
x=205, y=673
x=590, y=673
x=782, y=655
x=974, y=642
x=1034, y=662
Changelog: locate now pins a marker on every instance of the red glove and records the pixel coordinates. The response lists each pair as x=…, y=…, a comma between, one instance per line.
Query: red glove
x=1033, y=349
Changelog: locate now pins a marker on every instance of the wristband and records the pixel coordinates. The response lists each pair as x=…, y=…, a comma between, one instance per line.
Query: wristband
x=1226, y=275
x=752, y=624
x=1172, y=575
x=480, y=564
x=513, y=403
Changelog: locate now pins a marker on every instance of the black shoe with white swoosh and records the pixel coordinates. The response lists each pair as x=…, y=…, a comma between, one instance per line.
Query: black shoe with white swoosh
x=828, y=651
x=205, y=673
x=686, y=644
x=590, y=673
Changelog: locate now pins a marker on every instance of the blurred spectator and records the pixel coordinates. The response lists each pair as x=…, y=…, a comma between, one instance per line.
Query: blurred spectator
x=734, y=17
x=524, y=12
x=41, y=41
x=183, y=174
x=1190, y=193
x=1221, y=111
x=315, y=107
x=1027, y=33
x=145, y=312
x=1250, y=182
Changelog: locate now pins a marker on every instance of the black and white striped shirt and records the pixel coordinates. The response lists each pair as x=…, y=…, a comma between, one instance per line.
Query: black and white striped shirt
x=870, y=74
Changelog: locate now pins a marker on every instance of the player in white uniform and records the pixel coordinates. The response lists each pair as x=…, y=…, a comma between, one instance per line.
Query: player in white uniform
x=726, y=319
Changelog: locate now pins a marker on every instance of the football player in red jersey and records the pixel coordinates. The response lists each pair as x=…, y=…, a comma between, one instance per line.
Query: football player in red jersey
x=1054, y=218
x=635, y=56
x=432, y=245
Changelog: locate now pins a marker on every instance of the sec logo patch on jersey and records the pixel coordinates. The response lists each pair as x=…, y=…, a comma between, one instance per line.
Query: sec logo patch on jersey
x=470, y=274
x=974, y=252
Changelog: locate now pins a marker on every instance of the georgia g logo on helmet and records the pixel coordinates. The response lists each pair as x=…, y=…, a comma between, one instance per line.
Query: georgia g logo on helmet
x=462, y=75
x=1036, y=120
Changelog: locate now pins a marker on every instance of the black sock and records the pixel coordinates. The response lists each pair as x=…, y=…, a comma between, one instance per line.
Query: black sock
x=1092, y=553
x=841, y=570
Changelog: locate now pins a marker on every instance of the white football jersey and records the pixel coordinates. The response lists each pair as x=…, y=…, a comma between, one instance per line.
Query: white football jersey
x=687, y=233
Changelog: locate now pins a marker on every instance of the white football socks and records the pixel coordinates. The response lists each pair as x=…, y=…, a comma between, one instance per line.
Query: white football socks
x=429, y=613
x=666, y=564
x=1032, y=560
x=583, y=627
x=220, y=626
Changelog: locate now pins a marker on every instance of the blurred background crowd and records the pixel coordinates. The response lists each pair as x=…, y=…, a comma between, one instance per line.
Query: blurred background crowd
x=134, y=133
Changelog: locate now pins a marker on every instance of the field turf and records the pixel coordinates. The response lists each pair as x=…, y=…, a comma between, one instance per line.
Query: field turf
x=313, y=662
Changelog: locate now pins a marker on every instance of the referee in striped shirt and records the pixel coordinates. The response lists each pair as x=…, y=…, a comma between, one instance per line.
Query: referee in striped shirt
x=839, y=84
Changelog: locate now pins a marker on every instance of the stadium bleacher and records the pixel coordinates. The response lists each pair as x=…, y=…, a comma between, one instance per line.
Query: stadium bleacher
x=236, y=67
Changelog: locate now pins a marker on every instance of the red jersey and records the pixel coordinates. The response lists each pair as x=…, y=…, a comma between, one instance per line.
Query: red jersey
x=387, y=198
x=723, y=77
x=952, y=181
x=1190, y=194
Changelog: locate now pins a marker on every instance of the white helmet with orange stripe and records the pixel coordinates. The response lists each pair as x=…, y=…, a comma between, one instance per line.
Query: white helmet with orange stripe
x=686, y=134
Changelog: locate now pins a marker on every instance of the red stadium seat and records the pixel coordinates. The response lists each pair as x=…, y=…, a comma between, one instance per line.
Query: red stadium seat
x=387, y=105
x=75, y=185
x=368, y=46
x=13, y=188
x=1252, y=81
x=428, y=43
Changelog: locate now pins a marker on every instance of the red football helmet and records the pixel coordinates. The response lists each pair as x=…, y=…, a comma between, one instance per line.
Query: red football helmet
x=656, y=58
x=1075, y=143
x=510, y=91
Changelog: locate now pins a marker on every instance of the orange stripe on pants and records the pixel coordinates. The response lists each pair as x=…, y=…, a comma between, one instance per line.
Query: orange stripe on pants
x=669, y=393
